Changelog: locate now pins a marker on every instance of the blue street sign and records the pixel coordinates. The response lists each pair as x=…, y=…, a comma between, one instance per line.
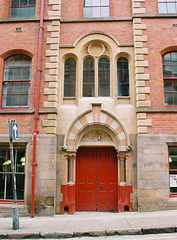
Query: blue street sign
x=15, y=130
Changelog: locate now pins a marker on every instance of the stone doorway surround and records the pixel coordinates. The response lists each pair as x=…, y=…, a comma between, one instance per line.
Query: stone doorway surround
x=93, y=128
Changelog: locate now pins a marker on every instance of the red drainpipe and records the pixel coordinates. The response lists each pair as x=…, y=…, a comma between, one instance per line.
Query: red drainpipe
x=36, y=109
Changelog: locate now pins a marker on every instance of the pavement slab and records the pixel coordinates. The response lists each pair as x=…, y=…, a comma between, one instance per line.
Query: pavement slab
x=90, y=224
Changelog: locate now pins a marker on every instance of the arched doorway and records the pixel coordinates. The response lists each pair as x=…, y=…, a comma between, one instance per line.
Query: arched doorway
x=94, y=160
x=96, y=179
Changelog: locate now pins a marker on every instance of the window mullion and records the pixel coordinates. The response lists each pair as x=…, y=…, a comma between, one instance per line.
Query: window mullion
x=96, y=78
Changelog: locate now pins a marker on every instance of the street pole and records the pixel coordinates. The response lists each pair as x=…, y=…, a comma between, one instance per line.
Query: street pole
x=15, y=212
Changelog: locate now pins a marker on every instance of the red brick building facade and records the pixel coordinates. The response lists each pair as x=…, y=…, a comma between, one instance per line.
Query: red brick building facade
x=102, y=93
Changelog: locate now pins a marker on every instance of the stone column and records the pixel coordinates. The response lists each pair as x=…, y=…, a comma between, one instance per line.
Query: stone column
x=71, y=157
x=122, y=156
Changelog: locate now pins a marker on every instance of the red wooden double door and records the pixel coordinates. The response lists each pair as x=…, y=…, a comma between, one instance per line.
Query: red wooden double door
x=96, y=179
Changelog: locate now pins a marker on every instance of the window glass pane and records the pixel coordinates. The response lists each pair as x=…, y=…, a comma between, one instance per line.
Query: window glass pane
x=88, y=77
x=167, y=59
x=26, y=63
x=168, y=98
x=24, y=100
x=20, y=161
x=88, y=90
x=96, y=2
x=26, y=74
x=174, y=58
x=104, y=77
x=122, y=77
x=162, y=8
x=105, y=12
x=2, y=185
x=20, y=186
x=3, y=162
x=32, y=3
x=22, y=12
x=9, y=191
x=17, y=88
x=69, y=90
x=88, y=3
x=171, y=8
x=8, y=88
x=25, y=88
x=96, y=12
x=14, y=12
x=70, y=77
x=173, y=158
x=87, y=12
x=18, y=58
x=123, y=90
x=104, y=2
x=31, y=11
x=167, y=71
x=17, y=74
x=15, y=100
x=23, y=3
x=15, y=3
x=168, y=86
x=8, y=160
x=175, y=71
x=175, y=99
x=104, y=90
x=8, y=74
x=175, y=86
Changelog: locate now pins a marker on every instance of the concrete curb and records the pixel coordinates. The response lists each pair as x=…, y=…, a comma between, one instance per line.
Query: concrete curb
x=110, y=232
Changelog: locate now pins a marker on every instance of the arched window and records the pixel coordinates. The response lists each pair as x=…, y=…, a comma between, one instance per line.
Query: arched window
x=104, y=77
x=16, y=84
x=70, y=78
x=23, y=8
x=170, y=78
x=122, y=77
x=88, y=78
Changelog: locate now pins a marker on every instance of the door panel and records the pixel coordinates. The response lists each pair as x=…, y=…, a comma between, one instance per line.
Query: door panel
x=107, y=180
x=96, y=179
x=86, y=180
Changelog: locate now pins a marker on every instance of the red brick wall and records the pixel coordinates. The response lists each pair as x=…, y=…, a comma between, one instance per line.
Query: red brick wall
x=25, y=42
x=160, y=36
x=151, y=6
x=122, y=31
x=163, y=123
x=25, y=123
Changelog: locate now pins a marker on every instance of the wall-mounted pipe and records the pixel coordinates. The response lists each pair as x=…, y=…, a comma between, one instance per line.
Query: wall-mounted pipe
x=36, y=117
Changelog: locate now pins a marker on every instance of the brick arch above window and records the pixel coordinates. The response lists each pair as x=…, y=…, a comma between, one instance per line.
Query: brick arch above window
x=12, y=52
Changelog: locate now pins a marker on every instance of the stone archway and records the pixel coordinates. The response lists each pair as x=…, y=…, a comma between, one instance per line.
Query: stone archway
x=96, y=116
